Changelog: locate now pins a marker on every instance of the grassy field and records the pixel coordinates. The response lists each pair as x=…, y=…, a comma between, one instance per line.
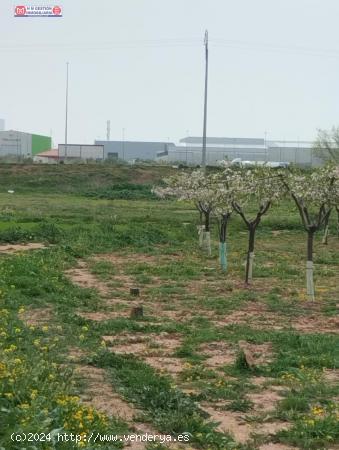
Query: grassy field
x=234, y=367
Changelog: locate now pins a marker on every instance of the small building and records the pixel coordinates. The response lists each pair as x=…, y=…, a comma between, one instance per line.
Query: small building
x=48, y=157
x=23, y=145
x=81, y=151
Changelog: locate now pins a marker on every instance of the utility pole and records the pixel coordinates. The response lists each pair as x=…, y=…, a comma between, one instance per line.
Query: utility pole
x=187, y=136
x=123, y=143
x=66, y=118
x=203, y=161
x=108, y=134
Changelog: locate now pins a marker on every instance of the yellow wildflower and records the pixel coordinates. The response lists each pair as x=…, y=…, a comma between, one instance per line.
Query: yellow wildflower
x=24, y=406
x=34, y=394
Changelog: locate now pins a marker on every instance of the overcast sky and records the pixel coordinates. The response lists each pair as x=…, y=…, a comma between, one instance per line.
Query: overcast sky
x=274, y=67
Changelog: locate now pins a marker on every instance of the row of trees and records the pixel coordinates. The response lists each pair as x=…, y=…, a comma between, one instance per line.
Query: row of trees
x=250, y=194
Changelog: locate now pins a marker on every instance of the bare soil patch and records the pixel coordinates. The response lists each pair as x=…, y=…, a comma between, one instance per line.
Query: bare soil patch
x=121, y=309
x=254, y=314
x=316, y=324
x=99, y=316
x=98, y=394
x=265, y=400
x=331, y=375
x=178, y=315
x=37, y=317
x=230, y=422
x=271, y=446
x=75, y=354
x=155, y=350
x=141, y=344
x=125, y=282
x=236, y=424
x=260, y=381
x=14, y=248
x=168, y=364
x=272, y=427
x=121, y=259
x=82, y=277
x=218, y=354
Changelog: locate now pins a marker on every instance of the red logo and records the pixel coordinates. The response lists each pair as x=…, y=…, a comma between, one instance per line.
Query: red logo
x=57, y=10
x=20, y=10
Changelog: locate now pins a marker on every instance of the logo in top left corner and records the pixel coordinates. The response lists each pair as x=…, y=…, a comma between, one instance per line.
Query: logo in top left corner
x=20, y=10
x=38, y=11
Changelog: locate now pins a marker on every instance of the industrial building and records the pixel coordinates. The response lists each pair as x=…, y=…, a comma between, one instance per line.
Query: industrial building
x=133, y=150
x=22, y=145
x=189, y=151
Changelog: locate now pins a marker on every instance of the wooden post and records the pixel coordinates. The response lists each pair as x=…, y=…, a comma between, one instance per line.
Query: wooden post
x=137, y=312
x=135, y=292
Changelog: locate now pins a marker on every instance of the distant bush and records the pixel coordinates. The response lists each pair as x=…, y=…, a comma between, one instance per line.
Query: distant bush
x=15, y=234
x=49, y=232
x=124, y=191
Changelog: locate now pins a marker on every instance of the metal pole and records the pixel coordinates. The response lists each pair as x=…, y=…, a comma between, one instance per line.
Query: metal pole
x=108, y=134
x=66, y=118
x=187, y=135
x=203, y=161
x=123, y=143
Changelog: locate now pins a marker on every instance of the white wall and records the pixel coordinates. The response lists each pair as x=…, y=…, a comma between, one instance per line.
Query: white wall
x=15, y=143
x=81, y=151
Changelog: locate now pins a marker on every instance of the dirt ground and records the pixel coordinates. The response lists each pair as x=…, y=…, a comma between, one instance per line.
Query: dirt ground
x=158, y=350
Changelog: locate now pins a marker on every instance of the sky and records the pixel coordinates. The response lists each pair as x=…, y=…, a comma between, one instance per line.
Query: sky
x=273, y=68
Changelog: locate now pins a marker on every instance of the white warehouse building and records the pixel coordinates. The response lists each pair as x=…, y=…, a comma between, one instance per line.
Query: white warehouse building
x=189, y=151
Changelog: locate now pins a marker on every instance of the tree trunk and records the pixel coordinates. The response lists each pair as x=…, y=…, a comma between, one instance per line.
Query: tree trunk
x=250, y=254
x=207, y=235
x=223, y=256
x=201, y=232
x=208, y=243
x=309, y=266
x=222, y=243
x=325, y=237
x=207, y=221
x=326, y=230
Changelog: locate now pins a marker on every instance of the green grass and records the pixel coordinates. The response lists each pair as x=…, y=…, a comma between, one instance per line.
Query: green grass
x=168, y=408
x=79, y=212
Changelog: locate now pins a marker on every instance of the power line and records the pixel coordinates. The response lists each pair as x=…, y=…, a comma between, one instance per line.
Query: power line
x=173, y=42
x=263, y=46
x=88, y=46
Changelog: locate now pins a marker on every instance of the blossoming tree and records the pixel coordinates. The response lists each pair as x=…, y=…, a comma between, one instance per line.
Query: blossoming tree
x=223, y=186
x=198, y=188
x=254, y=189
x=315, y=194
